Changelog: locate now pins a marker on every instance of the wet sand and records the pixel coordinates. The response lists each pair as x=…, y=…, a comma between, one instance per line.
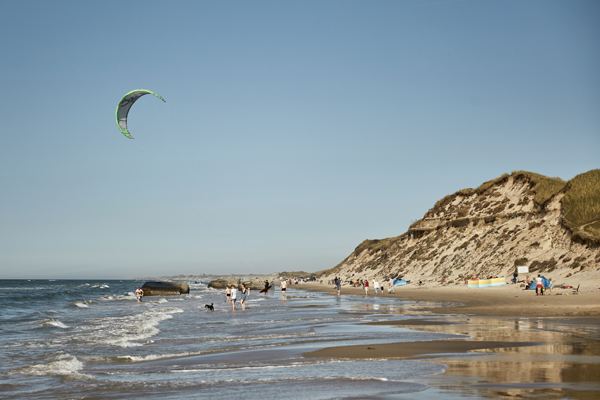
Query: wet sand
x=410, y=349
x=521, y=346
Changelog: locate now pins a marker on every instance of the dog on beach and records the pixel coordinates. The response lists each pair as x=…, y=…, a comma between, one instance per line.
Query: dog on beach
x=210, y=306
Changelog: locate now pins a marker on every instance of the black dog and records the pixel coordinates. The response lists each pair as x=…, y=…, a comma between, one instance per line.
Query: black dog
x=210, y=307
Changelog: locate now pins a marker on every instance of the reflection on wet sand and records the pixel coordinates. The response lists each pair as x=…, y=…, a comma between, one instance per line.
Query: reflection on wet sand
x=566, y=363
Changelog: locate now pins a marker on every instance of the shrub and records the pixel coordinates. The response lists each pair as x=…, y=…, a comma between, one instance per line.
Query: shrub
x=499, y=209
x=542, y=266
x=520, y=261
x=533, y=225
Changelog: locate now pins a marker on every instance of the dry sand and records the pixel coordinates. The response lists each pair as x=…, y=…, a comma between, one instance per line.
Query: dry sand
x=508, y=300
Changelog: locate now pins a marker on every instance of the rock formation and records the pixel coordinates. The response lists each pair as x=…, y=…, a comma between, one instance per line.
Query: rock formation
x=254, y=284
x=165, y=288
x=548, y=224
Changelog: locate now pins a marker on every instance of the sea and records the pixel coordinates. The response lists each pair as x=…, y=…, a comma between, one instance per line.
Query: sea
x=92, y=339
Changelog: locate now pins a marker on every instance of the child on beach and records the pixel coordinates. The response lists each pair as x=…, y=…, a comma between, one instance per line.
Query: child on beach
x=139, y=293
x=366, y=288
x=233, y=296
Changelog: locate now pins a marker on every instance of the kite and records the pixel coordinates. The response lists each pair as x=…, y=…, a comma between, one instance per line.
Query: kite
x=124, y=106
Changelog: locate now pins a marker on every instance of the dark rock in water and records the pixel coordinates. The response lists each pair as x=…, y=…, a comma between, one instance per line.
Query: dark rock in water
x=254, y=284
x=223, y=283
x=165, y=288
x=258, y=284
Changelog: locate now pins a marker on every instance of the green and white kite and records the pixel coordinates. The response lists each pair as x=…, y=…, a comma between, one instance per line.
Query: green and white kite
x=124, y=106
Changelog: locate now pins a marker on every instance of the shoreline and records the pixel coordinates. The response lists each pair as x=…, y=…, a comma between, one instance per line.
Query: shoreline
x=520, y=345
x=507, y=300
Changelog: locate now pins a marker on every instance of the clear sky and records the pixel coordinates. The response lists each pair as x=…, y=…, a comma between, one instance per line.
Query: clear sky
x=292, y=131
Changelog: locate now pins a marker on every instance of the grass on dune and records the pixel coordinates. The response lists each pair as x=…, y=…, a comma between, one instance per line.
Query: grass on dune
x=581, y=204
x=544, y=187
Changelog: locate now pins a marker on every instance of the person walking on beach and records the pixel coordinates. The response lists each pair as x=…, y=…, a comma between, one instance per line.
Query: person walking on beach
x=376, y=286
x=338, y=284
x=228, y=294
x=233, y=296
x=244, y=297
x=391, y=286
x=539, y=286
x=139, y=293
x=551, y=285
x=366, y=288
x=283, y=288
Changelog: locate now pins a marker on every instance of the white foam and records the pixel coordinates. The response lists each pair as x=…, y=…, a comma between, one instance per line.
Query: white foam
x=129, y=331
x=65, y=365
x=81, y=304
x=55, y=322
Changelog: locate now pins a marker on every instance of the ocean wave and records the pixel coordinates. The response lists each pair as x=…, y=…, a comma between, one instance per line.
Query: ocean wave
x=97, y=285
x=64, y=365
x=55, y=322
x=126, y=331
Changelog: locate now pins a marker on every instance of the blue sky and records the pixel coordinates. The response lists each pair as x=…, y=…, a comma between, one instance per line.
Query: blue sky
x=292, y=131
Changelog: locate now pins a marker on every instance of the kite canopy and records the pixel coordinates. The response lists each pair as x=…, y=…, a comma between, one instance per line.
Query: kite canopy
x=124, y=106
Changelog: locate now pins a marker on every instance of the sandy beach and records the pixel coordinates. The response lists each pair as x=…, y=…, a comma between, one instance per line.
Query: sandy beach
x=508, y=300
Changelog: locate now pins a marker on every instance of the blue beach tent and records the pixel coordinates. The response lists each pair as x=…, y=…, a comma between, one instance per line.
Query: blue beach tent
x=399, y=282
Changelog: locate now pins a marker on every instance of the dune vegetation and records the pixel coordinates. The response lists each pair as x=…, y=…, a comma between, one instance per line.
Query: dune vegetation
x=581, y=205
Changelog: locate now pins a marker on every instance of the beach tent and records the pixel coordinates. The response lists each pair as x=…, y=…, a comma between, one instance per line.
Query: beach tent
x=545, y=283
x=399, y=282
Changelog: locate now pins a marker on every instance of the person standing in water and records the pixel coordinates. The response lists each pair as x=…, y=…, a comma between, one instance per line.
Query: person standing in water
x=228, y=293
x=139, y=293
x=244, y=297
x=233, y=296
x=266, y=287
x=283, y=288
